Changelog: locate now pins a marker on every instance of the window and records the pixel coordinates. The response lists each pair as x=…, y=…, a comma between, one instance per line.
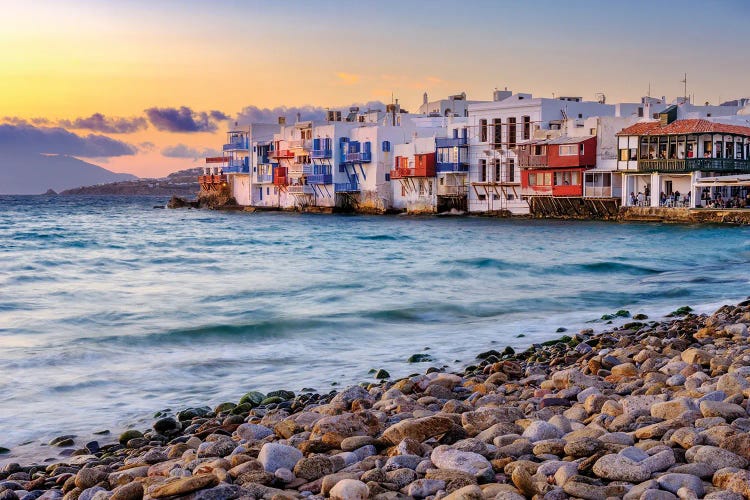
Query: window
x=403, y=190
x=483, y=170
x=526, y=127
x=442, y=181
x=495, y=196
x=511, y=177
x=566, y=179
x=511, y=133
x=429, y=188
x=498, y=166
x=481, y=197
x=640, y=112
x=633, y=153
x=540, y=150
x=482, y=130
x=568, y=150
x=624, y=155
x=592, y=131
x=497, y=128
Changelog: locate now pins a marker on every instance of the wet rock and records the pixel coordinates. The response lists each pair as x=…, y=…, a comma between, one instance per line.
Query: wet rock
x=274, y=456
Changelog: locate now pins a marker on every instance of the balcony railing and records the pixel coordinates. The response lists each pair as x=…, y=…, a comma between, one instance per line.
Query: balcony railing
x=241, y=145
x=452, y=190
x=281, y=153
x=572, y=190
x=300, y=169
x=361, y=157
x=694, y=164
x=346, y=187
x=321, y=154
x=443, y=142
x=212, y=179
x=398, y=173
x=532, y=161
x=237, y=169
x=447, y=167
x=300, y=189
x=320, y=179
x=598, y=192
x=265, y=178
x=217, y=159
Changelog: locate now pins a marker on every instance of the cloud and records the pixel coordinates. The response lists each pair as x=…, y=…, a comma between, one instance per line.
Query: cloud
x=348, y=78
x=27, y=138
x=100, y=123
x=184, y=119
x=146, y=146
x=254, y=114
x=184, y=151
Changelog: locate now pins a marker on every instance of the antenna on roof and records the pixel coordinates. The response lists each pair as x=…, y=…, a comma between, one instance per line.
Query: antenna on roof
x=684, y=82
x=649, y=89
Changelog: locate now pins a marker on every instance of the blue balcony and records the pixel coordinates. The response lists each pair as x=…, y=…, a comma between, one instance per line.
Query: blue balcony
x=455, y=142
x=446, y=167
x=346, y=187
x=320, y=179
x=361, y=157
x=241, y=145
x=265, y=178
x=236, y=169
x=321, y=154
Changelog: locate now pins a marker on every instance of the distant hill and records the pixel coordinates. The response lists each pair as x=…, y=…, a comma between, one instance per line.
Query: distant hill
x=183, y=183
x=32, y=173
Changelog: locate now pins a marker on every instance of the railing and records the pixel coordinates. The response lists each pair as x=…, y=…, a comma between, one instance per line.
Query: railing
x=428, y=171
x=296, y=144
x=235, y=145
x=217, y=159
x=212, y=179
x=453, y=142
x=572, y=190
x=281, y=153
x=320, y=179
x=447, y=167
x=346, y=187
x=300, y=189
x=453, y=190
x=300, y=169
x=320, y=154
x=237, y=169
x=263, y=178
x=532, y=161
x=598, y=192
x=694, y=164
x=361, y=157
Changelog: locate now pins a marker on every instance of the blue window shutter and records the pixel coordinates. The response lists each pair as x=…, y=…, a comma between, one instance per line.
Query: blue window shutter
x=464, y=132
x=316, y=144
x=455, y=133
x=387, y=177
x=367, y=147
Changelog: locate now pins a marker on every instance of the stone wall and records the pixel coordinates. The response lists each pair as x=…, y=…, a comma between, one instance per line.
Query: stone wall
x=685, y=215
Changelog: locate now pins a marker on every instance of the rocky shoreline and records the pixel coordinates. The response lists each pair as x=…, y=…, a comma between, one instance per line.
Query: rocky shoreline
x=649, y=410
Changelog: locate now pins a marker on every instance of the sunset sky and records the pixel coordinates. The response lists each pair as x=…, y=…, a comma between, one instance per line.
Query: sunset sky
x=167, y=77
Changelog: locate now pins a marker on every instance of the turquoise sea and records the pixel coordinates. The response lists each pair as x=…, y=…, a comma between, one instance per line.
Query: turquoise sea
x=111, y=310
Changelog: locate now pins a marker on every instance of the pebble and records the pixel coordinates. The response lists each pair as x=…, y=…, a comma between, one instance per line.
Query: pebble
x=655, y=412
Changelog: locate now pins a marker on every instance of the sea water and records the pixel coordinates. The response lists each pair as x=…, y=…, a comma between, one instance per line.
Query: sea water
x=111, y=310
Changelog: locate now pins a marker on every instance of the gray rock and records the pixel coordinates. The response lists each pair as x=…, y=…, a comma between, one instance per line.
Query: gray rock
x=445, y=457
x=253, y=432
x=221, y=492
x=715, y=457
x=673, y=482
x=274, y=456
x=657, y=495
x=401, y=462
x=540, y=430
x=422, y=488
x=89, y=493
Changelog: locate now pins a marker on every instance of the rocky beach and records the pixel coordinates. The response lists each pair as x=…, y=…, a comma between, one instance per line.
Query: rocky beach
x=647, y=410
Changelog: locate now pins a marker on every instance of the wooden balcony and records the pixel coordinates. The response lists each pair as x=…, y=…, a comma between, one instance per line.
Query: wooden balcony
x=724, y=165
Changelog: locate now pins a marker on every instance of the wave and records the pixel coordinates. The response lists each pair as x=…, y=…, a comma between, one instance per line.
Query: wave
x=485, y=263
x=605, y=267
x=382, y=237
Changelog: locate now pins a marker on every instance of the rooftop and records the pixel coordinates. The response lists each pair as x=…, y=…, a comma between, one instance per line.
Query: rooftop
x=682, y=127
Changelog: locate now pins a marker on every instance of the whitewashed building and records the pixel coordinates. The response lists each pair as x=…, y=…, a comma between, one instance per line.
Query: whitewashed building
x=496, y=129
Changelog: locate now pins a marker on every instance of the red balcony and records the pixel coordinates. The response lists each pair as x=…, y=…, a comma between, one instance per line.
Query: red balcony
x=208, y=180
x=572, y=190
x=218, y=159
x=279, y=177
x=281, y=153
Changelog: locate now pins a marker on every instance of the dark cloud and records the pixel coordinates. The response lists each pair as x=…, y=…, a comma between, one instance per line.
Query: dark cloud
x=27, y=138
x=100, y=123
x=184, y=151
x=15, y=120
x=254, y=114
x=219, y=115
x=184, y=119
x=146, y=146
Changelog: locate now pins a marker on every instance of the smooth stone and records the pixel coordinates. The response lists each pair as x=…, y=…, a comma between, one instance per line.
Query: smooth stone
x=540, y=430
x=715, y=457
x=445, y=457
x=253, y=432
x=184, y=485
x=673, y=482
x=274, y=456
x=349, y=489
x=422, y=488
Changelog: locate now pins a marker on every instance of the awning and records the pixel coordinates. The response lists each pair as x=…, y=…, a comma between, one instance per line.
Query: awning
x=723, y=180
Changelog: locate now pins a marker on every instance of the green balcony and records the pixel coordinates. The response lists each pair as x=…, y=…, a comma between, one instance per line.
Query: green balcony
x=725, y=165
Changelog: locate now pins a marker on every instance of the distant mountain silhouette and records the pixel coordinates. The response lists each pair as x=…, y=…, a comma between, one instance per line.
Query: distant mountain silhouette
x=31, y=173
x=183, y=183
